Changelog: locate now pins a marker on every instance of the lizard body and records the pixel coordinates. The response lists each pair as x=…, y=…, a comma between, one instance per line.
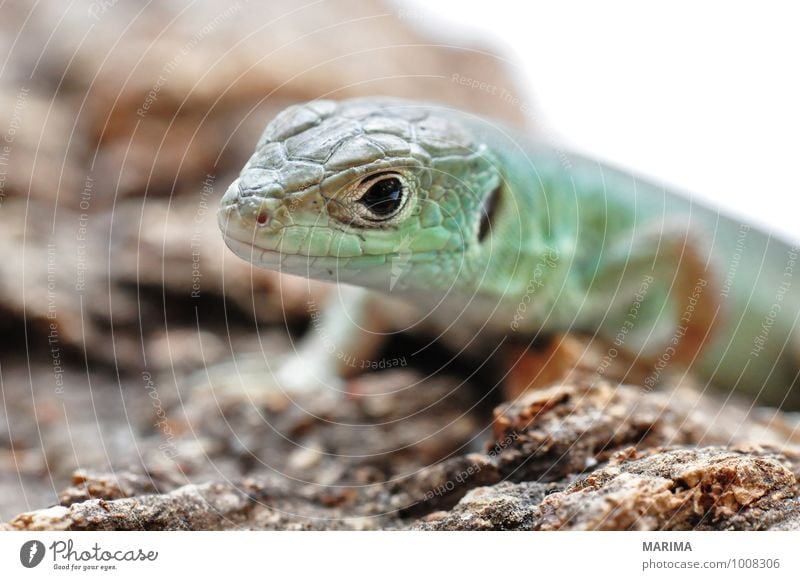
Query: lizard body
x=493, y=234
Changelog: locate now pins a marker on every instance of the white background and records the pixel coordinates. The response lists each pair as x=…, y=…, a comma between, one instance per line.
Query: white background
x=702, y=96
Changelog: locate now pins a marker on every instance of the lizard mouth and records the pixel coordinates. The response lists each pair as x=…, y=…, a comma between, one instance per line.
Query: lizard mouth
x=270, y=259
x=241, y=239
x=243, y=234
x=325, y=268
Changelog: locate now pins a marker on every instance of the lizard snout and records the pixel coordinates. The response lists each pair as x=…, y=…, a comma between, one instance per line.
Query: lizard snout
x=241, y=211
x=231, y=196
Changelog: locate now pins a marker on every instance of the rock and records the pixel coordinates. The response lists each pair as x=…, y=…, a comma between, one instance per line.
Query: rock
x=210, y=506
x=86, y=486
x=683, y=489
x=505, y=506
x=566, y=429
x=440, y=486
x=575, y=456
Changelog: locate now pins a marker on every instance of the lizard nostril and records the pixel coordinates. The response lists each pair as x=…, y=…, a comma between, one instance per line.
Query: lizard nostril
x=262, y=217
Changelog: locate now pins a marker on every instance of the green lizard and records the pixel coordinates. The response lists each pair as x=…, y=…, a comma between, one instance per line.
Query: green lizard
x=492, y=235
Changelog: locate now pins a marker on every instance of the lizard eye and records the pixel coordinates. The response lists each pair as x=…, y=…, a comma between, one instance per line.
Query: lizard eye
x=384, y=196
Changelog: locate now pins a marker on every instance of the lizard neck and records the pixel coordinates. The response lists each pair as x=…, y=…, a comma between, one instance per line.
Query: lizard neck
x=527, y=265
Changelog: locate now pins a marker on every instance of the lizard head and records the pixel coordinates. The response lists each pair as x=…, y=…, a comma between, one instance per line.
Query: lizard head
x=362, y=191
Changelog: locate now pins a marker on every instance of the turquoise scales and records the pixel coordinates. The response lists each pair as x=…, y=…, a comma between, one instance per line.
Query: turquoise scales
x=493, y=233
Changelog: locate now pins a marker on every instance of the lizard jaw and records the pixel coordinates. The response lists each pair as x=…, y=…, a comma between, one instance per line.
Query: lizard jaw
x=324, y=268
x=268, y=259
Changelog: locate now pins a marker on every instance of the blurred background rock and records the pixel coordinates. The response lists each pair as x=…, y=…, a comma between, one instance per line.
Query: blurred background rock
x=122, y=123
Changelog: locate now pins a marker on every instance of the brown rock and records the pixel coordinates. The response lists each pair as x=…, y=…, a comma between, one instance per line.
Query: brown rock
x=684, y=489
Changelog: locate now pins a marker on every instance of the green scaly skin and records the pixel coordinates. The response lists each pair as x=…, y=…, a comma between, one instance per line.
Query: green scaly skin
x=497, y=233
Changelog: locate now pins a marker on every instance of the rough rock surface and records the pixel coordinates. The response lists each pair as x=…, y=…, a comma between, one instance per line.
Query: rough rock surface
x=404, y=452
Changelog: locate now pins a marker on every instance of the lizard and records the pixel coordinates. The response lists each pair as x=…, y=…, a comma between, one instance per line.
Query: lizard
x=493, y=234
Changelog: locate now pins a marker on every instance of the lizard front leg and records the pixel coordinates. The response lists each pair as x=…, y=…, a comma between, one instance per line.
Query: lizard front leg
x=341, y=335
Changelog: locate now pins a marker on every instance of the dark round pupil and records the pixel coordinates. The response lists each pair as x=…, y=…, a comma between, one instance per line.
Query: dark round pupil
x=384, y=197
